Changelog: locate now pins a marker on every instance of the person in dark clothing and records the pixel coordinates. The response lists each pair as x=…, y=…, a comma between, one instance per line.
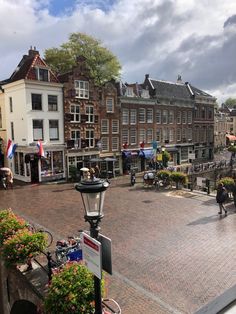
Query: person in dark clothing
x=221, y=197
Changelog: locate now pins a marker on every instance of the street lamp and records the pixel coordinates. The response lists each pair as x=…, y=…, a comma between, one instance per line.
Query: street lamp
x=93, y=194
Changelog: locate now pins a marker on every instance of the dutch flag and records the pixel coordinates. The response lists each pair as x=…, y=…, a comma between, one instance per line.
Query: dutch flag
x=11, y=148
x=41, y=150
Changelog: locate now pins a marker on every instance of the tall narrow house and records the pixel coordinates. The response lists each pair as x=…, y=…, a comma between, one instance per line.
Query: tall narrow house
x=32, y=108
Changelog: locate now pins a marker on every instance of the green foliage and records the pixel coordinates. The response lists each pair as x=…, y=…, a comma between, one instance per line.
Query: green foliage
x=9, y=224
x=23, y=245
x=163, y=174
x=165, y=158
x=230, y=102
x=232, y=149
x=103, y=65
x=228, y=182
x=179, y=178
x=73, y=173
x=71, y=291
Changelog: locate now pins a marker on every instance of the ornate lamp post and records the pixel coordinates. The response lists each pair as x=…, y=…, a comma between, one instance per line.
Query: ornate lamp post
x=93, y=194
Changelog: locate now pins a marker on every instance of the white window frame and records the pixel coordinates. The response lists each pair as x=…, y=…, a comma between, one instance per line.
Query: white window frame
x=149, y=135
x=133, y=136
x=129, y=91
x=75, y=135
x=159, y=135
x=133, y=116
x=105, y=144
x=190, y=117
x=158, y=116
x=81, y=89
x=125, y=116
x=149, y=115
x=178, y=134
x=171, y=135
x=90, y=138
x=142, y=135
x=75, y=112
x=171, y=116
x=178, y=118
x=104, y=126
x=109, y=104
x=115, y=126
x=125, y=136
x=184, y=117
x=141, y=115
x=165, y=117
x=89, y=111
x=53, y=131
x=115, y=143
x=38, y=74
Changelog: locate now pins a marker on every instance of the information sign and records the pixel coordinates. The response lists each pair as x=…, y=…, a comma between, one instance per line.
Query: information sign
x=92, y=254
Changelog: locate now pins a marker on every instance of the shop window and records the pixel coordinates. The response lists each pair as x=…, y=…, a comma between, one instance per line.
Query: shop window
x=57, y=162
x=22, y=164
x=16, y=163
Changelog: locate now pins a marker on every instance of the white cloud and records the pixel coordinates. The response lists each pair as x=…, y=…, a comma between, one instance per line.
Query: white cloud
x=161, y=37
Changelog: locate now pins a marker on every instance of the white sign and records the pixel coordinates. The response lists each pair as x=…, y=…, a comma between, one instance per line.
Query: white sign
x=201, y=181
x=92, y=254
x=191, y=156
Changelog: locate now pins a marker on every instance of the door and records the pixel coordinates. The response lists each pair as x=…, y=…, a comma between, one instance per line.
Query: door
x=34, y=170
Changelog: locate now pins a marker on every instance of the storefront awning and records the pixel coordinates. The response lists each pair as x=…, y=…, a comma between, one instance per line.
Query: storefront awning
x=146, y=153
x=231, y=137
x=126, y=154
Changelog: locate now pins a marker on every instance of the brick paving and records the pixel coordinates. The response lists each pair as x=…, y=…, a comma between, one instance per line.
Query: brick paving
x=171, y=253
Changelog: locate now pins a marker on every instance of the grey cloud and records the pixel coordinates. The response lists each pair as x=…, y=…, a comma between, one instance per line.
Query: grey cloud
x=231, y=20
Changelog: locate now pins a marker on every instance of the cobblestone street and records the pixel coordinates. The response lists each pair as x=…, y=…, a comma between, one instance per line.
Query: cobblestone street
x=171, y=251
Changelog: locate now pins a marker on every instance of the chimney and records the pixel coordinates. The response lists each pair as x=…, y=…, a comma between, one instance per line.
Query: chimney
x=33, y=51
x=179, y=79
x=146, y=76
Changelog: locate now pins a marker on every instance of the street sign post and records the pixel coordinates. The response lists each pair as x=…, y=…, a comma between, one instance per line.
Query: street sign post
x=92, y=254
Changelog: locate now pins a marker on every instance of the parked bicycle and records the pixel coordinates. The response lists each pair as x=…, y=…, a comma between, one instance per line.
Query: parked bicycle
x=48, y=235
x=110, y=306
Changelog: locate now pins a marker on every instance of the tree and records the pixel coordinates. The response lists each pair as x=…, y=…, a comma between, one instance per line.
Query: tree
x=230, y=102
x=102, y=63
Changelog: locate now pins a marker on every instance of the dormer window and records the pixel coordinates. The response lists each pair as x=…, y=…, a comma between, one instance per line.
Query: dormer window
x=42, y=74
x=82, y=89
x=145, y=93
x=129, y=92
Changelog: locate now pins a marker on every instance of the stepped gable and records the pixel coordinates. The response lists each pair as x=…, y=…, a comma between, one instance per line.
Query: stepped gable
x=170, y=90
x=26, y=68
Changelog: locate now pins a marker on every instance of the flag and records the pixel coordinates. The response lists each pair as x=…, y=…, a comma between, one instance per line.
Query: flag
x=11, y=148
x=41, y=150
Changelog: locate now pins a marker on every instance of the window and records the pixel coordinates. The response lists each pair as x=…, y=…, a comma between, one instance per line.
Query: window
x=75, y=113
x=158, y=135
x=82, y=89
x=42, y=74
x=142, y=135
x=10, y=104
x=133, y=116
x=149, y=135
x=125, y=136
x=115, y=143
x=52, y=103
x=125, y=116
x=37, y=130
x=105, y=143
x=179, y=117
x=149, y=115
x=165, y=134
x=89, y=113
x=110, y=105
x=171, y=135
x=115, y=126
x=184, y=117
x=178, y=135
x=36, y=100
x=75, y=136
x=129, y=92
x=203, y=113
x=171, y=117
x=53, y=130
x=145, y=93
x=105, y=126
x=133, y=136
x=90, y=137
x=210, y=113
x=190, y=117
x=142, y=118
x=158, y=116
x=184, y=134
x=184, y=153
x=189, y=134
x=12, y=131
x=165, y=117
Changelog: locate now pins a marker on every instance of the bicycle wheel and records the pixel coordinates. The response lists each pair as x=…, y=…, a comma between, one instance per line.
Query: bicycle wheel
x=48, y=236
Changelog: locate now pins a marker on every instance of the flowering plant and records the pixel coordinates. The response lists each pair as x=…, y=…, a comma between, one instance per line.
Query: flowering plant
x=9, y=224
x=71, y=290
x=22, y=245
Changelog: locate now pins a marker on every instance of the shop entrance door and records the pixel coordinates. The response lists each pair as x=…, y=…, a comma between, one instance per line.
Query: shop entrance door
x=34, y=170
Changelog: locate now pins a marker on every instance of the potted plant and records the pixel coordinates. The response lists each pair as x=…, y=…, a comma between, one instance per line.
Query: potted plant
x=22, y=246
x=164, y=176
x=179, y=178
x=9, y=224
x=71, y=290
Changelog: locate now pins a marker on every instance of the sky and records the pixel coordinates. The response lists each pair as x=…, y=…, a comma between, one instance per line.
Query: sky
x=163, y=38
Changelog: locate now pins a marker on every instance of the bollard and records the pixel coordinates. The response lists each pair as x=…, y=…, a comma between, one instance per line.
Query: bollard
x=49, y=258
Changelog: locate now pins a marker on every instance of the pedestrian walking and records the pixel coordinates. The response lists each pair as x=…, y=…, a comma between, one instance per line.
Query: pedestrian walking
x=221, y=197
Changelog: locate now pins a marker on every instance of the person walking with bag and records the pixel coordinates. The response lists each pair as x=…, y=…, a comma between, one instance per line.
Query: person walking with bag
x=221, y=197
